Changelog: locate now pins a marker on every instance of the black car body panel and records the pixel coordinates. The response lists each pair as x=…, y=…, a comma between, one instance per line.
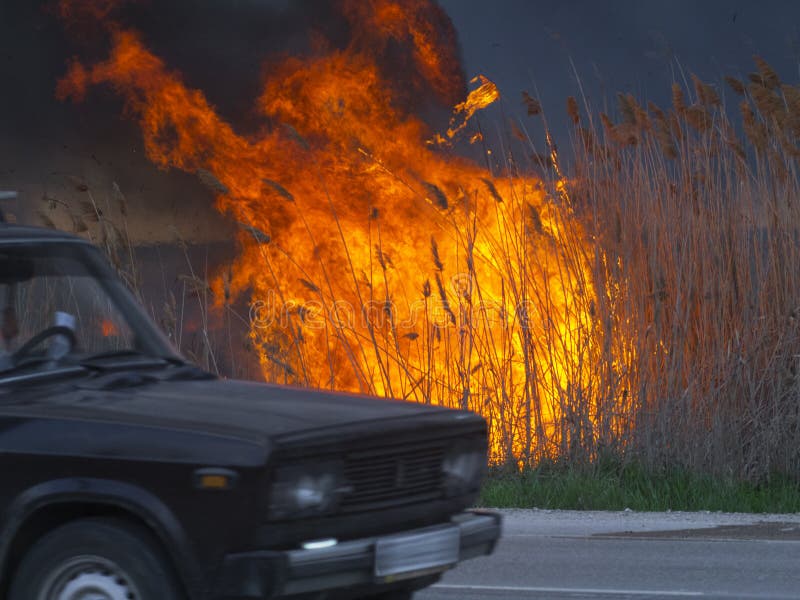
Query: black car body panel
x=251, y=411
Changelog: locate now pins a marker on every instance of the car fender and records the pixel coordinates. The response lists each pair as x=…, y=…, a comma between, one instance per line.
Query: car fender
x=130, y=498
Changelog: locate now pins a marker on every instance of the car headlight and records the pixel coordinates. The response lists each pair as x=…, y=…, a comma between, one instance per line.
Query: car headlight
x=464, y=467
x=306, y=490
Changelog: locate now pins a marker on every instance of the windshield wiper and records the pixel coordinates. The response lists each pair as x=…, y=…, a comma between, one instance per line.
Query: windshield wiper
x=27, y=363
x=126, y=359
x=20, y=373
x=123, y=360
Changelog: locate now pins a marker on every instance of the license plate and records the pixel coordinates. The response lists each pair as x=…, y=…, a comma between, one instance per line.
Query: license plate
x=410, y=554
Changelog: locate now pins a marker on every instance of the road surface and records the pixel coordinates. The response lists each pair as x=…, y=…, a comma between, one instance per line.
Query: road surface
x=636, y=556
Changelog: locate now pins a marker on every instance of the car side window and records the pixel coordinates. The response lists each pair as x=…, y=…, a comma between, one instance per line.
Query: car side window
x=31, y=307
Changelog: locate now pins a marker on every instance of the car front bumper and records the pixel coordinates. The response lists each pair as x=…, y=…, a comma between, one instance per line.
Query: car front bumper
x=382, y=561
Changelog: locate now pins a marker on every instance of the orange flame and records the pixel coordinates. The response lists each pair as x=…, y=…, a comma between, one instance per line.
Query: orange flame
x=478, y=99
x=108, y=328
x=374, y=262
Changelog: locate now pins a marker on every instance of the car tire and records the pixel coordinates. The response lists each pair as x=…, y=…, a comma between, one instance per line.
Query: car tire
x=109, y=556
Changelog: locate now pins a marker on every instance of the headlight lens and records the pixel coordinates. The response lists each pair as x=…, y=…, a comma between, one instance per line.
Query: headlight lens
x=464, y=467
x=306, y=490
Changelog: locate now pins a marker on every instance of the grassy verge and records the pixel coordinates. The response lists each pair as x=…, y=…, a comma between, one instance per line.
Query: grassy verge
x=621, y=487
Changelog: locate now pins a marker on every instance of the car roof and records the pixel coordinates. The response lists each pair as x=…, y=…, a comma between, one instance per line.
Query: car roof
x=10, y=233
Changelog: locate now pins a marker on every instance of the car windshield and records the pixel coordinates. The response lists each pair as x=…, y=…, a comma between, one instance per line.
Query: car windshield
x=60, y=304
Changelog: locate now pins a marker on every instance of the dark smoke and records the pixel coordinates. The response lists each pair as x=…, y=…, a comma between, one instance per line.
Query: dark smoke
x=222, y=47
x=225, y=48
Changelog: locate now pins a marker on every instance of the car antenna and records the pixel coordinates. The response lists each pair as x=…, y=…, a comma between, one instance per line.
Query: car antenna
x=6, y=196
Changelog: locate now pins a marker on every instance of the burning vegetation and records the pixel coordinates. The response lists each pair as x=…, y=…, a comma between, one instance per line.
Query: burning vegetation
x=640, y=308
x=377, y=260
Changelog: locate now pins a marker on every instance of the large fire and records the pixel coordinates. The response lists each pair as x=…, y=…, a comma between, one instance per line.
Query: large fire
x=376, y=260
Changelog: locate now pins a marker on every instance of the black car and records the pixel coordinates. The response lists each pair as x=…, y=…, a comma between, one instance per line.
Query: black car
x=129, y=473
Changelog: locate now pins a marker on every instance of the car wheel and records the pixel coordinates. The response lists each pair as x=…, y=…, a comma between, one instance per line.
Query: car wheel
x=95, y=559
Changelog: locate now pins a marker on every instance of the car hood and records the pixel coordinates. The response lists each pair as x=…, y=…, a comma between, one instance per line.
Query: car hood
x=241, y=409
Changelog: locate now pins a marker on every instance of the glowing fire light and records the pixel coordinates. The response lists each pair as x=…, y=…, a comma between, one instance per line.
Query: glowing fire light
x=375, y=262
x=478, y=99
x=108, y=328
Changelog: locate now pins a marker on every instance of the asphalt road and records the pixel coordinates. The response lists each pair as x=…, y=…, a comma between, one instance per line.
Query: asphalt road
x=641, y=556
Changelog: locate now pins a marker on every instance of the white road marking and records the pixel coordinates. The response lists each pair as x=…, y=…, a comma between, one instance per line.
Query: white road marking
x=557, y=590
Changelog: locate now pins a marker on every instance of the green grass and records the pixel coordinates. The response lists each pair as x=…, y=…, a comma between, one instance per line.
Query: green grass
x=616, y=487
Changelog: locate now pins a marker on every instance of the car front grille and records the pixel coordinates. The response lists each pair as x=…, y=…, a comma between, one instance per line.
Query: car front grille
x=393, y=476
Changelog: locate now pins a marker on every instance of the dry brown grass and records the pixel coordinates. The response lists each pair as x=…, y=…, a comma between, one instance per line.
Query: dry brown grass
x=698, y=242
